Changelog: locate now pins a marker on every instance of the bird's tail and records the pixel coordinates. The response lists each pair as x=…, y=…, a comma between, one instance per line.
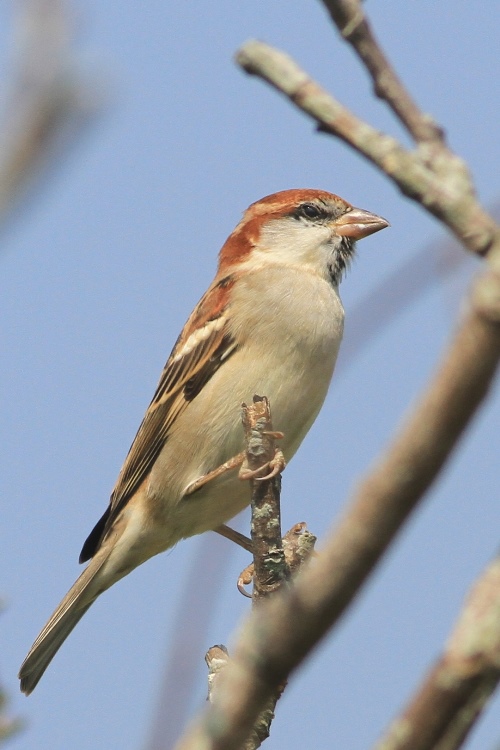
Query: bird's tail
x=81, y=595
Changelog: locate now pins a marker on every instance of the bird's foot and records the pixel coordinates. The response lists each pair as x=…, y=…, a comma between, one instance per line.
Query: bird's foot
x=275, y=467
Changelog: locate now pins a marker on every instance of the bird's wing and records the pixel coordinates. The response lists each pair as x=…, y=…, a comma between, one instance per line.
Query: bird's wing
x=204, y=344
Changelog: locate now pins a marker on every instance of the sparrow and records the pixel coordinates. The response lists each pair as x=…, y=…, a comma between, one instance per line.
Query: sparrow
x=270, y=323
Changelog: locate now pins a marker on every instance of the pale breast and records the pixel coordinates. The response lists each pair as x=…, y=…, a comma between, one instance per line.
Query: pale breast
x=287, y=348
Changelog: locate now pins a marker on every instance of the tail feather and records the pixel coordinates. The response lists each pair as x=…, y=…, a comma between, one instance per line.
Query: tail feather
x=69, y=612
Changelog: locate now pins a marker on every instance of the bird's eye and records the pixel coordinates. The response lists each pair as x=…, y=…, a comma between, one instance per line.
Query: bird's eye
x=310, y=211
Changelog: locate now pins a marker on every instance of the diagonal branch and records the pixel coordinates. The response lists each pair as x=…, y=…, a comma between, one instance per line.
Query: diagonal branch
x=349, y=17
x=435, y=178
x=449, y=700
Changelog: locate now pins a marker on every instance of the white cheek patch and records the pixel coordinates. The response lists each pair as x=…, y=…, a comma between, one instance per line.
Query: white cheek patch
x=291, y=241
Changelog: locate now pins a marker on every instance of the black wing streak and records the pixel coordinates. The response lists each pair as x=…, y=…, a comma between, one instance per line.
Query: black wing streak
x=150, y=439
x=201, y=378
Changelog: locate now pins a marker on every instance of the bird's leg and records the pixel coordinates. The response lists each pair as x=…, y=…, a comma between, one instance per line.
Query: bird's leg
x=235, y=536
x=275, y=466
x=222, y=469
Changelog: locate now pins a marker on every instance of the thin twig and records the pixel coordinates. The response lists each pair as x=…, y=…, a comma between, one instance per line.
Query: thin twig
x=438, y=181
x=273, y=557
x=298, y=546
x=350, y=19
x=270, y=566
x=450, y=699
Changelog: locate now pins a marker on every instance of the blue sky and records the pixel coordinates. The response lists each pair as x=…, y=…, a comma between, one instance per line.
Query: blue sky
x=100, y=272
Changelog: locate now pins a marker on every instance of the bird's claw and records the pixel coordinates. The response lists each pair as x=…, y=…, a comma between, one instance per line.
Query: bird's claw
x=245, y=578
x=276, y=466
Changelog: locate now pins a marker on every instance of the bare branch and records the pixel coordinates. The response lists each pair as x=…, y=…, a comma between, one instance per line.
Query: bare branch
x=273, y=558
x=270, y=567
x=349, y=17
x=452, y=696
x=435, y=178
x=298, y=546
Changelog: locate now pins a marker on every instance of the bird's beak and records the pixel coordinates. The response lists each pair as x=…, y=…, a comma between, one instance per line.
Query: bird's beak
x=358, y=223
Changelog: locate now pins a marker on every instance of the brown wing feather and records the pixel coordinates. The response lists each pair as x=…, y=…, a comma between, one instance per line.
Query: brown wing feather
x=198, y=353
